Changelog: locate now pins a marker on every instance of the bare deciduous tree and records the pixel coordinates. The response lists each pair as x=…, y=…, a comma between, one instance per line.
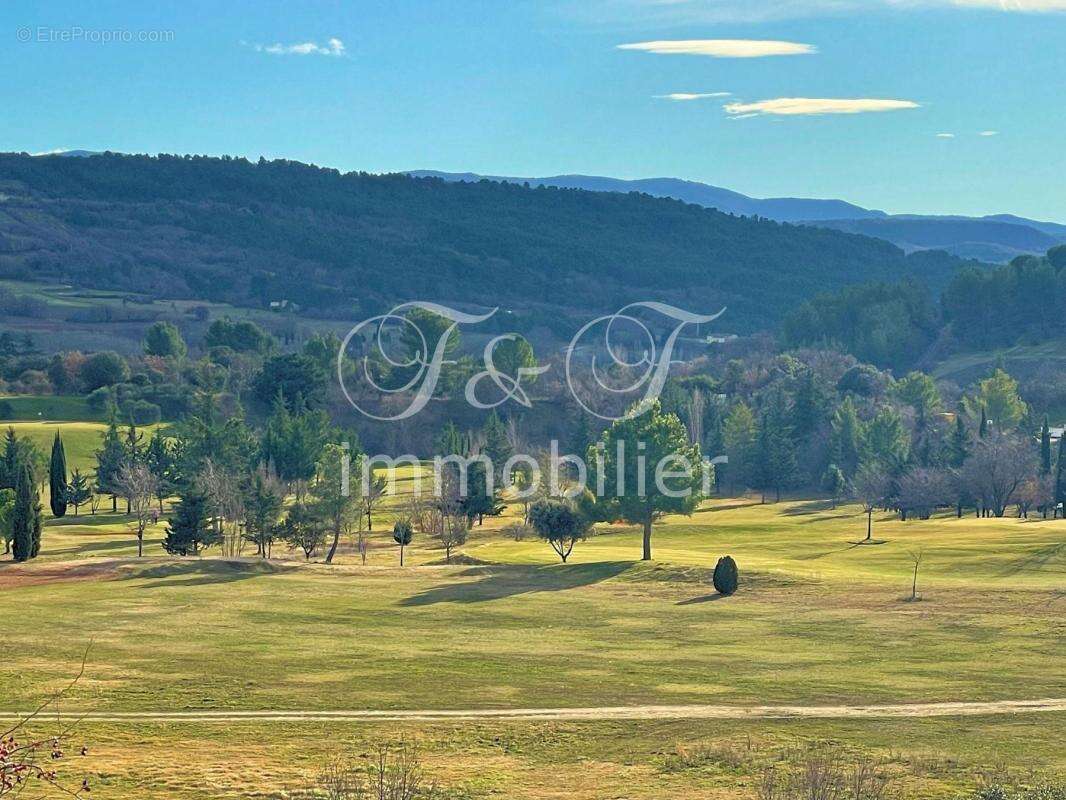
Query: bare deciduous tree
x=871, y=487
x=997, y=468
x=137, y=485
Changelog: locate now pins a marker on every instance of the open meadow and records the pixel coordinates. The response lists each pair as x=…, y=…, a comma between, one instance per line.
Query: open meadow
x=819, y=621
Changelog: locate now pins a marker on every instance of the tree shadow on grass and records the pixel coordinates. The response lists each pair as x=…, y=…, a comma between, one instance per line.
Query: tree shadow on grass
x=205, y=572
x=499, y=582
x=707, y=598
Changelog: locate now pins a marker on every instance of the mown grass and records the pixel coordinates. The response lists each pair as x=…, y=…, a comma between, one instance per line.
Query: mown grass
x=818, y=620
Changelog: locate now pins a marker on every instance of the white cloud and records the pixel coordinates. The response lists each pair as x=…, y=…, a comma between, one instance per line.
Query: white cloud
x=332, y=47
x=988, y=133
x=683, y=96
x=722, y=48
x=809, y=106
x=945, y=136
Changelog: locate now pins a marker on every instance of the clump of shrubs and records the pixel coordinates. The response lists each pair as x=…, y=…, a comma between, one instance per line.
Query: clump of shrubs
x=726, y=578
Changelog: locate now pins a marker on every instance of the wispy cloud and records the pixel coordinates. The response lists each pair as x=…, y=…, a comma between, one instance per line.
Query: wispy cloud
x=722, y=48
x=988, y=133
x=333, y=47
x=811, y=106
x=685, y=96
x=945, y=136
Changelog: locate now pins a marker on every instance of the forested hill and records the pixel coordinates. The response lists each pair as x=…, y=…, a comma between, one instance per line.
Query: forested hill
x=340, y=244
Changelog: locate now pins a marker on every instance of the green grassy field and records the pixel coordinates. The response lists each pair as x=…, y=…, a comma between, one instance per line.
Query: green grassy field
x=818, y=620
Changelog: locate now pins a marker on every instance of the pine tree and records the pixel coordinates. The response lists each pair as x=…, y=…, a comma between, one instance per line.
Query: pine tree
x=959, y=447
x=109, y=460
x=498, y=447
x=78, y=492
x=775, y=450
x=1045, y=448
x=57, y=479
x=450, y=441
x=159, y=458
x=26, y=518
x=190, y=529
x=846, y=437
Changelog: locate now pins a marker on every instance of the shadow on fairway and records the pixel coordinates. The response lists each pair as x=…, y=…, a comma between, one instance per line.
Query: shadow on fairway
x=204, y=572
x=499, y=582
x=707, y=598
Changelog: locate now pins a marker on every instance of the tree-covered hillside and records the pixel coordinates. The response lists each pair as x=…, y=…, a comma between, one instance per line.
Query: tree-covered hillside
x=340, y=244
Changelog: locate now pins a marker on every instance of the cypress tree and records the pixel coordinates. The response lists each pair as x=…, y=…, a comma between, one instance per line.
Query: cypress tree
x=26, y=518
x=1045, y=448
x=57, y=479
x=1060, y=478
x=982, y=431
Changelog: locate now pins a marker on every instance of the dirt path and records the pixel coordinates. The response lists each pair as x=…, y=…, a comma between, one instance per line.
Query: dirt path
x=648, y=712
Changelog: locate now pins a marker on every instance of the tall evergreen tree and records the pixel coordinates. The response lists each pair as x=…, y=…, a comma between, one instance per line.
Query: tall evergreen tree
x=26, y=518
x=190, y=529
x=1045, y=448
x=109, y=460
x=982, y=429
x=775, y=450
x=959, y=446
x=78, y=491
x=1060, y=478
x=57, y=478
x=846, y=437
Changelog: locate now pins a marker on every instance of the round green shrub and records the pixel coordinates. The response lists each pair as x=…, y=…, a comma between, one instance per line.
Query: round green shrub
x=726, y=577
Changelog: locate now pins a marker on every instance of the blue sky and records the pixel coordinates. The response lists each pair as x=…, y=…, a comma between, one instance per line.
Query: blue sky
x=520, y=87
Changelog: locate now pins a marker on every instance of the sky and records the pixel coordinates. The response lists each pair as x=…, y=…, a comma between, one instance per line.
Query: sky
x=910, y=106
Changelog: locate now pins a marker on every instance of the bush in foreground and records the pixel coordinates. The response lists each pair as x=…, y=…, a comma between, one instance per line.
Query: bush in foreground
x=726, y=576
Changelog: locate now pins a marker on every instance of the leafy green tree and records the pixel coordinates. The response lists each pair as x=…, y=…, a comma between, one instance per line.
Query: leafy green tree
x=886, y=441
x=322, y=348
x=303, y=530
x=920, y=392
x=402, y=534
x=296, y=377
x=79, y=492
x=264, y=499
x=835, y=483
x=293, y=441
x=57, y=478
x=242, y=336
x=560, y=523
x=164, y=339
x=104, y=369
x=335, y=494
x=479, y=502
x=190, y=530
x=846, y=437
x=998, y=397
x=662, y=473
x=514, y=354
x=26, y=518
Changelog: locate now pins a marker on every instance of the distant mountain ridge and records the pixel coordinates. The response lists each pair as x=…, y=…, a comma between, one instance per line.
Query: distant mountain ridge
x=996, y=238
